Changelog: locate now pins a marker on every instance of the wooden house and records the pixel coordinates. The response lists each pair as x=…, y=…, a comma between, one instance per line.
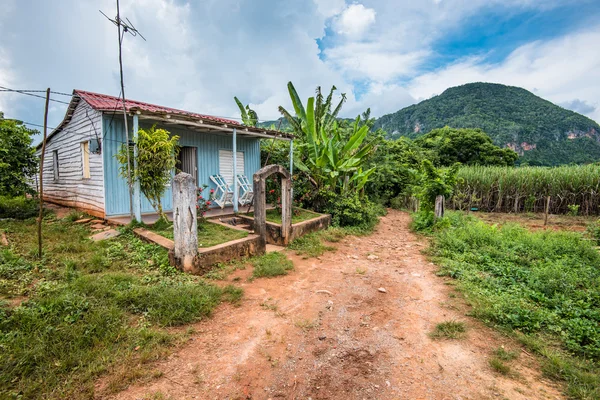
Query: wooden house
x=81, y=171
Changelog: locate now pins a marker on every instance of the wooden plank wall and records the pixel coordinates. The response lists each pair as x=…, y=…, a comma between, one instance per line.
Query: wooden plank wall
x=72, y=189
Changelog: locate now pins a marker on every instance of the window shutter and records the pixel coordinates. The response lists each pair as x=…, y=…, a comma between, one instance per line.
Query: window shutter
x=226, y=164
x=85, y=159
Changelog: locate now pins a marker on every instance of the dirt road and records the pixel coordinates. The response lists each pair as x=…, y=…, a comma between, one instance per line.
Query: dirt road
x=325, y=331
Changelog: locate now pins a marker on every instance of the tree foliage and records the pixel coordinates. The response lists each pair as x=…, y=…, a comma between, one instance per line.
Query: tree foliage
x=156, y=157
x=18, y=161
x=510, y=115
x=435, y=182
x=335, y=159
x=249, y=116
x=448, y=146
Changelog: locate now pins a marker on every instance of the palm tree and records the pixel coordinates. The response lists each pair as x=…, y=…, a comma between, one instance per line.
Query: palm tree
x=329, y=158
x=249, y=116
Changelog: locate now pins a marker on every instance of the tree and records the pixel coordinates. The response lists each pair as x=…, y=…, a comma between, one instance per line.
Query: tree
x=466, y=146
x=332, y=160
x=18, y=161
x=249, y=116
x=156, y=157
x=396, y=165
x=435, y=182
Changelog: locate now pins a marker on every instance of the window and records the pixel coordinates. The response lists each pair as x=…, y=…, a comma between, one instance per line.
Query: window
x=226, y=164
x=55, y=165
x=85, y=159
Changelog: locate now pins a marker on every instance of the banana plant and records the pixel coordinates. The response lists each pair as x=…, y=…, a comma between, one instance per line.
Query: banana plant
x=331, y=160
x=249, y=116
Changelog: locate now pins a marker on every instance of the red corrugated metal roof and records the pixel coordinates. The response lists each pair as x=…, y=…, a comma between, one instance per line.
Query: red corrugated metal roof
x=103, y=102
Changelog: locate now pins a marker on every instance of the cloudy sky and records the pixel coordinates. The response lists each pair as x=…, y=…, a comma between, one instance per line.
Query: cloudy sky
x=384, y=54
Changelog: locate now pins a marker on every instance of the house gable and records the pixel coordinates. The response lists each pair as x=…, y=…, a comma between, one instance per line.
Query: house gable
x=66, y=181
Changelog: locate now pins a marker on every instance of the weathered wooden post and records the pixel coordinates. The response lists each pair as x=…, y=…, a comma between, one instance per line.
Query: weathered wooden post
x=185, y=222
x=439, y=206
x=286, y=209
x=546, y=210
x=260, y=206
x=260, y=211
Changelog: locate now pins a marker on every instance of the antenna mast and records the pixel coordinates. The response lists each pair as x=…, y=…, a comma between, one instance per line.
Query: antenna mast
x=127, y=27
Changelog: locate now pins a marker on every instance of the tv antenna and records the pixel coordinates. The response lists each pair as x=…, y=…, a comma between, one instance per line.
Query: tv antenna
x=126, y=26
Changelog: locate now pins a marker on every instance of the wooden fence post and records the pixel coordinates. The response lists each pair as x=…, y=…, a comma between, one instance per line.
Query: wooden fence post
x=547, y=210
x=286, y=209
x=185, y=222
x=439, y=206
x=260, y=212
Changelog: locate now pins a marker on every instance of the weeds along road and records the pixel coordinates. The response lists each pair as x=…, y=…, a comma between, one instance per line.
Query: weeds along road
x=351, y=324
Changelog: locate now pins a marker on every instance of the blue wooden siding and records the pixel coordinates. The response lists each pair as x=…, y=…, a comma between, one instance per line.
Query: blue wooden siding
x=208, y=144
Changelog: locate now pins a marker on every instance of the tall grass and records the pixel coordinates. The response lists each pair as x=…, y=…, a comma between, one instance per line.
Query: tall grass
x=525, y=189
x=544, y=287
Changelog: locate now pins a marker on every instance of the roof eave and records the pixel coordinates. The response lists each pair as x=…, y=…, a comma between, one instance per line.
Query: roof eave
x=208, y=124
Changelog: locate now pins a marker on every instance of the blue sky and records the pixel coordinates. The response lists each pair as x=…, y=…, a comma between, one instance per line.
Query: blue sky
x=384, y=54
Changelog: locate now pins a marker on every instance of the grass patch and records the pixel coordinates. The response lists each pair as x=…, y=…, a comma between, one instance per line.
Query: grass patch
x=271, y=264
x=222, y=270
x=499, y=366
x=209, y=234
x=305, y=324
x=89, y=308
x=543, y=287
x=505, y=355
x=310, y=245
x=449, y=330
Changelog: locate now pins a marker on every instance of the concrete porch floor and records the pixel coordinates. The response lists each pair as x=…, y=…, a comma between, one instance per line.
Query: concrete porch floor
x=149, y=219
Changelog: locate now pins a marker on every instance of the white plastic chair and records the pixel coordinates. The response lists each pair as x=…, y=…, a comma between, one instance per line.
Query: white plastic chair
x=247, y=190
x=223, y=194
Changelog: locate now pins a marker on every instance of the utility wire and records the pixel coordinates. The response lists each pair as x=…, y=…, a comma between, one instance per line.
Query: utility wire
x=30, y=94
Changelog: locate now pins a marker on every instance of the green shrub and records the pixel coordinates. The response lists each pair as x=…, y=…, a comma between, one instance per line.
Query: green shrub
x=354, y=211
x=19, y=207
x=573, y=209
x=593, y=232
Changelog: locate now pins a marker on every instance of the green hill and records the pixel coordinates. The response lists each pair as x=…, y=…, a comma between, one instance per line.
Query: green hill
x=540, y=131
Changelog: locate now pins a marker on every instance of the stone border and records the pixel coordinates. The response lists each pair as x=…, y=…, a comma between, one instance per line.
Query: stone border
x=207, y=256
x=273, y=230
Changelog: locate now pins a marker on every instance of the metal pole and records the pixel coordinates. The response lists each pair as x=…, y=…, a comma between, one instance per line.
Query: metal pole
x=235, y=184
x=292, y=171
x=129, y=180
x=137, y=197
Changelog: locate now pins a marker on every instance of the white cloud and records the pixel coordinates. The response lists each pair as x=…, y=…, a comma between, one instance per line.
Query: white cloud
x=370, y=61
x=200, y=54
x=560, y=70
x=355, y=20
x=329, y=8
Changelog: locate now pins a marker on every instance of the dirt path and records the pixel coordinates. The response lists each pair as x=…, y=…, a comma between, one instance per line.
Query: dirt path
x=325, y=332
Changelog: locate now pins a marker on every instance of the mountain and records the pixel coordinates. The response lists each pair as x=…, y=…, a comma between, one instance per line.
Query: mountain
x=540, y=131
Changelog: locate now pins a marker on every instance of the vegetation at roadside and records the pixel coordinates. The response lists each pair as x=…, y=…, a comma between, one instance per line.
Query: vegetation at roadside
x=270, y=265
x=209, y=234
x=449, y=330
x=542, y=286
x=88, y=308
